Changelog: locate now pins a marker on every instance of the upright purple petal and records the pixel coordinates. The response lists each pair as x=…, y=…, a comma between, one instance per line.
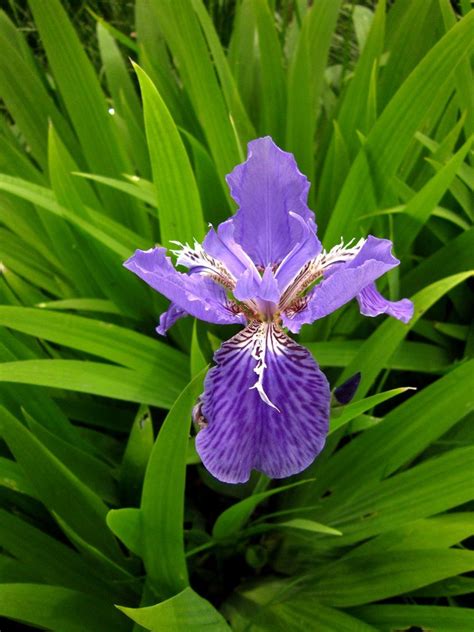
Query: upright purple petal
x=222, y=245
x=306, y=248
x=343, y=282
x=372, y=303
x=267, y=186
x=266, y=404
x=197, y=295
x=251, y=285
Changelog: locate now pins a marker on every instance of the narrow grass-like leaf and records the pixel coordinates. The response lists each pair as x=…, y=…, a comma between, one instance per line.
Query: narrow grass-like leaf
x=434, y=486
x=184, y=611
x=300, y=524
x=90, y=470
x=305, y=80
x=177, y=195
x=419, y=208
x=454, y=257
x=12, y=477
x=234, y=103
x=357, y=580
x=111, y=342
x=136, y=455
x=55, y=562
x=275, y=606
x=180, y=27
x=409, y=356
x=347, y=413
x=58, y=608
x=162, y=514
x=403, y=434
x=232, y=519
x=91, y=377
x=394, y=616
x=98, y=305
x=382, y=343
x=57, y=487
x=126, y=524
x=88, y=108
x=135, y=191
x=388, y=141
x=26, y=95
x=272, y=82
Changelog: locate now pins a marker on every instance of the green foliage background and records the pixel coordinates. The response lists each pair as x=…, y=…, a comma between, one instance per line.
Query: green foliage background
x=103, y=502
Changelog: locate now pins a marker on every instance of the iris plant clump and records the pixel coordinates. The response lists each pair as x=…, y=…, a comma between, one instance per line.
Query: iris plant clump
x=266, y=403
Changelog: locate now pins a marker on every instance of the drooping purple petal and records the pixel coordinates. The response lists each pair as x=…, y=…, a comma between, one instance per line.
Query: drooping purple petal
x=266, y=404
x=343, y=282
x=168, y=318
x=197, y=295
x=267, y=186
x=372, y=303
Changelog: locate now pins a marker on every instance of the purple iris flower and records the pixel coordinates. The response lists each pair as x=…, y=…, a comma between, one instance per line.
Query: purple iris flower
x=266, y=403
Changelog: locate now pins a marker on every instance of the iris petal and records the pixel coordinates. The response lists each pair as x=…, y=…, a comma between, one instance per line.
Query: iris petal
x=222, y=245
x=197, y=295
x=342, y=282
x=372, y=303
x=267, y=186
x=168, y=318
x=244, y=431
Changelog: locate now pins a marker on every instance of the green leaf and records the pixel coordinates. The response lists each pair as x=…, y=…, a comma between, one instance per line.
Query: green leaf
x=306, y=78
x=26, y=95
x=53, y=561
x=234, y=103
x=356, y=580
x=403, y=434
x=380, y=346
x=353, y=113
x=274, y=606
x=135, y=458
x=390, y=617
x=90, y=377
x=162, y=514
x=89, y=469
x=99, y=305
x=126, y=524
x=141, y=193
x=272, y=79
x=111, y=342
x=182, y=32
x=388, y=140
x=58, y=608
x=300, y=524
x=232, y=519
x=197, y=361
x=427, y=489
x=409, y=356
x=342, y=415
x=185, y=611
x=59, y=489
x=177, y=194
x=454, y=257
x=12, y=477
x=44, y=198
x=441, y=531
x=88, y=109
x=419, y=208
